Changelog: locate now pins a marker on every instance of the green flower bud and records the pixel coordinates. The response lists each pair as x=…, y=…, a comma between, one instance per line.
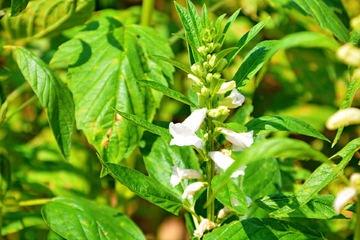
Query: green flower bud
x=208, y=57
x=197, y=69
x=203, y=50
x=207, y=35
x=211, y=47
x=202, y=100
x=212, y=61
x=5, y=175
x=221, y=65
x=222, y=110
x=206, y=66
x=195, y=79
x=218, y=47
x=209, y=77
x=205, y=91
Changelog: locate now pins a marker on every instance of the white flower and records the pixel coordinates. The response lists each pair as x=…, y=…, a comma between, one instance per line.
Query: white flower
x=234, y=100
x=223, y=212
x=343, y=117
x=240, y=141
x=192, y=189
x=205, y=224
x=224, y=162
x=348, y=193
x=195, y=79
x=184, y=133
x=178, y=174
x=226, y=86
x=349, y=54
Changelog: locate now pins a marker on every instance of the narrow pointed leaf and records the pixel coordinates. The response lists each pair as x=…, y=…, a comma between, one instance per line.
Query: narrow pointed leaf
x=88, y=220
x=17, y=6
x=228, y=24
x=145, y=187
x=193, y=47
x=195, y=19
x=222, y=54
x=267, y=124
x=177, y=64
x=246, y=38
x=168, y=92
x=218, y=23
x=205, y=17
x=53, y=94
x=320, y=178
x=145, y=124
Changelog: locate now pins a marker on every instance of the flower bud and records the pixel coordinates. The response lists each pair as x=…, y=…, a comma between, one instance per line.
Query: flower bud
x=202, y=100
x=222, y=110
x=355, y=23
x=195, y=79
x=218, y=47
x=212, y=60
x=343, y=117
x=205, y=92
x=208, y=57
x=209, y=77
x=207, y=35
x=234, y=100
x=178, y=174
x=203, y=50
x=192, y=189
x=205, y=224
x=226, y=86
x=206, y=66
x=221, y=65
x=211, y=47
x=349, y=54
x=355, y=180
x=197, y=69
x=223, y=212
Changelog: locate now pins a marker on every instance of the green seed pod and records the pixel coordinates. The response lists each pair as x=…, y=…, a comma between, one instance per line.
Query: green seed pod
x=5, y=175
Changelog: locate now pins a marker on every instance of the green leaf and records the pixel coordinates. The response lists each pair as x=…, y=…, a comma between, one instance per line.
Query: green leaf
x=320, y=178
x=229, y=192
x=319, y=207
x=45, y=18
x=17, y=6
x=105, y=60
x=232, y=126
x=252, y=63
x=267, y=124
x=222, y=54
x=262, y=229
x=188, y=42
x=145, y=187
x=195, y=19
x=177, y=64
x=145, y=124
x=16, y=221
x=190, y=31
x=242, y=114
x=228, y=24
x=205, y=17
x=278, y=147
x=53, y=95
x=246, y=38
x=160, y=157
x=78, y=218
x=168, y=92
x=325, y=17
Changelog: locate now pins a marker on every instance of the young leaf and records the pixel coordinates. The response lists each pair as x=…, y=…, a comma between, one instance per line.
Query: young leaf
x=205, y=17
x=262, y=229
x=252, y=63
x=177, y=64
x=222, y=54
x=105, y=60
x=228, y=24
x=160, y=157
x=17, y=6
x=267, y=124
x=53, y=94
x=88, y=220
x=168, y=92
x=44, y=18
x=320, y=178
x=145, y=187
x=145, y=124
x=218, y=23
x=195, y=19
x=228, y=193
x=232, y=126
x=188, y=42
x=246, y=38
x=319, y=207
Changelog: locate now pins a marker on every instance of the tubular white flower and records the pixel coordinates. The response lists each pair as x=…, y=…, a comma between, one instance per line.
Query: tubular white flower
x=343, y=117
x=234, y=100
x=192, y=189
x=226, y=86
x=184, y=133
x=343, y=197
x=224, y=162
x=205, y=224
x=249, y=201
x=223, y=212
x=240, y=141
x=178, y=174
x=195, y=79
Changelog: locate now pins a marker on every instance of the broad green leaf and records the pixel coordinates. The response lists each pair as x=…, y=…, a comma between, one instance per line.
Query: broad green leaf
x=145, y=124
x=177, y=64
x=145, y=187
x=45, y=18
x=54, y=236
x=105, y=60
x=160, y=157
x=325, y=17
x=319, y=207
x=242, y=114
x=190, y=31
x=17, y=6
x=168, y=92
x=278, y=147
x=78, y=218
x=16, y=221
x=228, y=193
x=252, y=63
x=262, y=229
x=320, y=178
x=232, y=126
x=246, y=38
x=53, y=94
x=228, y=24
x=267, y=124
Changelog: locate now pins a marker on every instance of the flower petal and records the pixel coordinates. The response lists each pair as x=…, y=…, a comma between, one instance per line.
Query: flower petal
x=205, y=224
x=234, y=100
x=343, y=117
x=192, y=189
x=183, y=136
x=240, y=141
x=226, y=86
x=343, y=197
x=175, y=178
x=195, y=119
x=224, y=162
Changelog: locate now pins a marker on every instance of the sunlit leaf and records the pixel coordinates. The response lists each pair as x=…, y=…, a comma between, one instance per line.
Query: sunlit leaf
x=17, y=6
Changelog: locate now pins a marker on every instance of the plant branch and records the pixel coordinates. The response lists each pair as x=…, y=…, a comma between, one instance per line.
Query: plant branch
x=32, y=202
x=146, y=12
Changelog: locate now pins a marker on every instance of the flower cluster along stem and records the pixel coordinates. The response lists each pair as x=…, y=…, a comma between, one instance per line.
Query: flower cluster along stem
x=357, y=226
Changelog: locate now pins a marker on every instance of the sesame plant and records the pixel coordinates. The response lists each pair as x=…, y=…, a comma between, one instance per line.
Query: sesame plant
x=218, y=169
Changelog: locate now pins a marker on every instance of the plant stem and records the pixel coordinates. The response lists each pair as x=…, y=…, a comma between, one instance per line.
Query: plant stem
x=357, y=226
x=193, y=213
x=32, y=202
x=210, y=171
x=32, y=99
x=146, y=12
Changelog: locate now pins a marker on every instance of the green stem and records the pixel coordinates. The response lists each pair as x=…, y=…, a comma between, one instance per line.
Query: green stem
x=357, y=227
x=146, y=13
x=210, y=171
x=32, y=99
x=32, y=202
x=193, y=213
x=226, y=218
